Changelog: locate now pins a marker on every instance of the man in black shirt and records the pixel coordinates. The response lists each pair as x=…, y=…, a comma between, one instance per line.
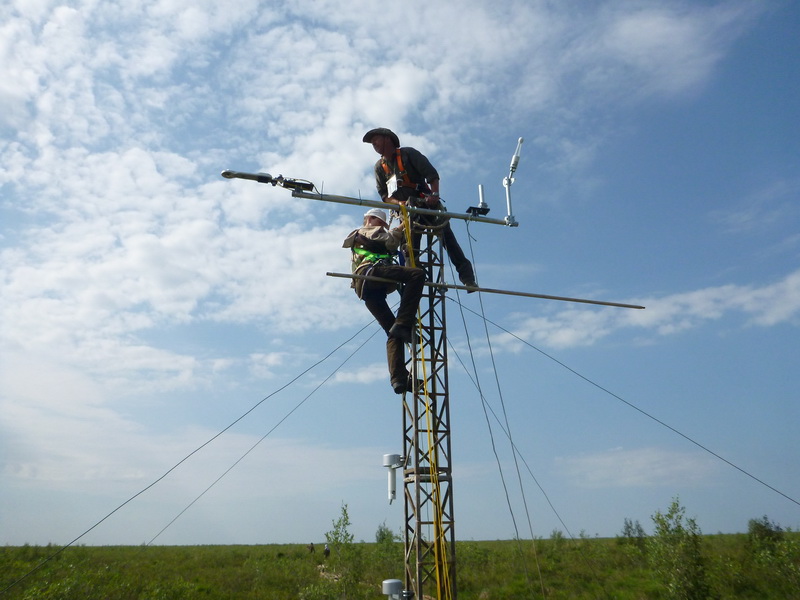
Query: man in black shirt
x=403, y=175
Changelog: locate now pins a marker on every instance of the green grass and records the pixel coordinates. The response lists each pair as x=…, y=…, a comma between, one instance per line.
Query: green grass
x=496, y=570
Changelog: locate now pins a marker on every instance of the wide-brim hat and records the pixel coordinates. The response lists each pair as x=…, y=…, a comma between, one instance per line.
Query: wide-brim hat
x=381, y=131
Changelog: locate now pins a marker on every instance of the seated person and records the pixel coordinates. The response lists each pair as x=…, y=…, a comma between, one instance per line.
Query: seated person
x=373, y=246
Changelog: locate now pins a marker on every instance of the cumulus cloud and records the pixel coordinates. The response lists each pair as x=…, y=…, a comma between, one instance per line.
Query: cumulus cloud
x=117, y=118
x=121, y=130
x=766, y=306
x=123, y=115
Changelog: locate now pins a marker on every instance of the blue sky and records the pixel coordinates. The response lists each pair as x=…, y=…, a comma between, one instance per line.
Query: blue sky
x=147, y=303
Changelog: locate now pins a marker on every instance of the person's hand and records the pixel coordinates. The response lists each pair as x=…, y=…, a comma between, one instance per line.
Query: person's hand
x=431, y=200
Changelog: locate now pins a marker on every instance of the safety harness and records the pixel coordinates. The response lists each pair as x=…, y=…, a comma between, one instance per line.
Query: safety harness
x=371, y=256
x=405, y=180
x=420, y=222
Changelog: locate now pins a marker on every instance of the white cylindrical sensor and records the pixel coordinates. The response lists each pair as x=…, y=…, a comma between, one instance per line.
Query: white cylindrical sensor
x=392, y=485
x=391, y=460
x=392, y=588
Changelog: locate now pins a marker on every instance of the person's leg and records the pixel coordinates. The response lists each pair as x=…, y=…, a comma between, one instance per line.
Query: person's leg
x=413, y=281
x=395, y=349
x=377, y=305
x=462, y=264
x=396, y=359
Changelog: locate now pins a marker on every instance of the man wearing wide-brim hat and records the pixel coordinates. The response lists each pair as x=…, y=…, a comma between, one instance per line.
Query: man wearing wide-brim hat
x=404, y=175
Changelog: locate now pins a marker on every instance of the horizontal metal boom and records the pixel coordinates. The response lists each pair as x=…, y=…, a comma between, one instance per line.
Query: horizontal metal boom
x=411, y=209
x=300, y=193
x=451, y=286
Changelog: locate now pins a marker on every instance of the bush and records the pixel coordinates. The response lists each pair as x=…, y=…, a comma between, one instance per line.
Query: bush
x=633, y=535
x=345, y=578
x=774, y=553
x=763, y=534
x=676, y=554
x=389, y=558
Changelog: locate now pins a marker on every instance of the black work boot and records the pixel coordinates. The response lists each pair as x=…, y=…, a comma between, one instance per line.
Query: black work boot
x=401, y=384
x=404, y=333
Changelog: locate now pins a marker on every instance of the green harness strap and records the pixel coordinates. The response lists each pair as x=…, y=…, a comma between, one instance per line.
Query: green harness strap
x=370, y=256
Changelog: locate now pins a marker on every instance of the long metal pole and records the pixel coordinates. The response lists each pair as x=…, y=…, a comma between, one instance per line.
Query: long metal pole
x=300, y=190
x=493, y=291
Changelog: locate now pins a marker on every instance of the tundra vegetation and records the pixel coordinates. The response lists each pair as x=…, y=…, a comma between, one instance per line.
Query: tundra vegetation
x=676, y=561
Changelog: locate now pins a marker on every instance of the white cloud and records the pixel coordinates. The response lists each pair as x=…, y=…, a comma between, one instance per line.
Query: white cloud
x=762, y=209
x=641, y=467
x=125, y=112
x=766, y=306
x=365, y=373
x=117, y=118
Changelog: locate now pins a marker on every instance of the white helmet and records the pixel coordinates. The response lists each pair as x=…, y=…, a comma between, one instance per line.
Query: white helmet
x=376, y=212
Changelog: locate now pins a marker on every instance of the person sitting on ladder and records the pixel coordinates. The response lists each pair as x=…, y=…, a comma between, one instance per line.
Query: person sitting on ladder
x=406, y=176
x=373, y=247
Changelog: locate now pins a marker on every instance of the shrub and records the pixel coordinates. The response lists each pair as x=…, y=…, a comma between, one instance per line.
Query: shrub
x=774, y=552
x=344, y=580
x=388, y=555
x=676, y=554
x=633, y=538
x=763, y=534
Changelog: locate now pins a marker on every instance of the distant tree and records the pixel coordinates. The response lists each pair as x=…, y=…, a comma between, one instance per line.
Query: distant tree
x=388, y=552
x=633, y=534
x=776, y=552
x=384, y=534
x=557, y=535
x=346, y=557
x=342, y=574
x=675, y=551
x=763, y=534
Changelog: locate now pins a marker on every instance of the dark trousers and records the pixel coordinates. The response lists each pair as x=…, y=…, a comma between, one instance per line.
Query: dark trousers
x=374, y=296
x=461, y=263
x=456, y=254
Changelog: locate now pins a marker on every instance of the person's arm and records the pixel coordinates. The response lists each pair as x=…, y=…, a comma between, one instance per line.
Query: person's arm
x=380, y=182
x=418, y=163
x=433, y=199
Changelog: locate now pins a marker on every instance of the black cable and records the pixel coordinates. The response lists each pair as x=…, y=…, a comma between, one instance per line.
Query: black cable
x=514, y=446
x=508, y=434
x=253, y=447
x=643, y=412
x=176, y=465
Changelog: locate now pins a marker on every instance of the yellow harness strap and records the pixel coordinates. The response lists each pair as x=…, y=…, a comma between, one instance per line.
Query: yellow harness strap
x=407, y=229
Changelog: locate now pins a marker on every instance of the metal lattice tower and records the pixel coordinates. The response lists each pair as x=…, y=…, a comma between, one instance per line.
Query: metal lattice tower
x=429, y=537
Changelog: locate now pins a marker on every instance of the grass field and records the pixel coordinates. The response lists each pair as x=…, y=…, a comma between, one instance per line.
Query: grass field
x=733, y=566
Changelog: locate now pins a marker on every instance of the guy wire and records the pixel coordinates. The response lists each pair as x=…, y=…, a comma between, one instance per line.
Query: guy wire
x=494, y=448
x=60, y=550
x=274, y=427
x=641, y=411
